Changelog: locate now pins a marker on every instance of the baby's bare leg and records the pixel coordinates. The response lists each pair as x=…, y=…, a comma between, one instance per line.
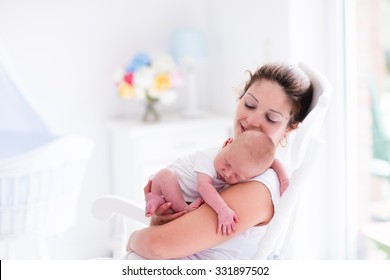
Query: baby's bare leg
x=155, y=197
x=171, y=190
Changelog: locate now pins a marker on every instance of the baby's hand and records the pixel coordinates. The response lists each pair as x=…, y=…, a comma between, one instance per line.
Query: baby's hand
x=284, y=185
x=227, y=220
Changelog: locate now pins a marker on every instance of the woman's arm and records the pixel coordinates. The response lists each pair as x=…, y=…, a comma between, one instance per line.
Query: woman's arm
x=195, y=231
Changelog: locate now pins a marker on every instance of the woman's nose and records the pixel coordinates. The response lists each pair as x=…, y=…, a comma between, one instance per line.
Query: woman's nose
x=254, y=122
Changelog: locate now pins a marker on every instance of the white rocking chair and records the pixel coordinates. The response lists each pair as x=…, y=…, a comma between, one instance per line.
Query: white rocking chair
x=300, y=156
x=304, y=147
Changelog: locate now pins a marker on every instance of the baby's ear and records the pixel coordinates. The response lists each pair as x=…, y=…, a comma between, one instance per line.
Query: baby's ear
x=227, y=142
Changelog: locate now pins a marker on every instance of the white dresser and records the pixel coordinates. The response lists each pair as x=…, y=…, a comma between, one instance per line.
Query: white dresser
x=140, y=149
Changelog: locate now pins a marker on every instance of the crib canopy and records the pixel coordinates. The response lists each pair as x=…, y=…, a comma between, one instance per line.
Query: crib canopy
x=21, y=127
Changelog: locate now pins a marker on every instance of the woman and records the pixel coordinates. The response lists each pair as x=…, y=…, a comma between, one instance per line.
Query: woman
x=274, y=100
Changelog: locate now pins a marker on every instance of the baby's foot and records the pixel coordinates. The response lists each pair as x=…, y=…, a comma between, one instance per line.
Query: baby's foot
x=153, y=201
x=194, y=205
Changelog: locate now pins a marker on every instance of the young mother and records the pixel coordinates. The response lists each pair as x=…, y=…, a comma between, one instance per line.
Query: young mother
x=274, y=100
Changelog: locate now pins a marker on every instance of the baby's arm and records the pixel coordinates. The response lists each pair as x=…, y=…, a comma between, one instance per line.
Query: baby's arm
x=284, y=181
x=227, y=219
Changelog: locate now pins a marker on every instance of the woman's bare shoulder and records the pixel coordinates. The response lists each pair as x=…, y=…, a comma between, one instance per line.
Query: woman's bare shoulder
x=251, y=201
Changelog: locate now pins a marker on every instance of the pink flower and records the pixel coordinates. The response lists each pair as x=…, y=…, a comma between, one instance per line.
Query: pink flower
x=129, y=78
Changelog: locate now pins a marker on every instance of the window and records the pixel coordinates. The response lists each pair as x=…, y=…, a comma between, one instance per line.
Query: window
x=372, y=96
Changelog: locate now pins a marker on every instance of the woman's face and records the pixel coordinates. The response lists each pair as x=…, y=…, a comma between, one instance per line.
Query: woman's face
x=264, y=107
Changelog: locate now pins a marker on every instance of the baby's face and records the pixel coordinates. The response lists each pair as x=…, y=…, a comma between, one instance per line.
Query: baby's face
x=233, y=168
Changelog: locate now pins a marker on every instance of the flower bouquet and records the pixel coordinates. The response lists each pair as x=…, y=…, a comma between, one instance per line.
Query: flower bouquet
x=150, y=80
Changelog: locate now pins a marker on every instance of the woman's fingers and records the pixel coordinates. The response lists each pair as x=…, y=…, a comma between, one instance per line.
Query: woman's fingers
x=176, y=215
x=163, y=208
x=161, y=216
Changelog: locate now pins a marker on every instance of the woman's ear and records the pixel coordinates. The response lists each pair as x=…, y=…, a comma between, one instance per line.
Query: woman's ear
x=227, y=142
x=292, y=128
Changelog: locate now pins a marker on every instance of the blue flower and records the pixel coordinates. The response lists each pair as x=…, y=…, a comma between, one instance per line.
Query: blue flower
x=140, y=60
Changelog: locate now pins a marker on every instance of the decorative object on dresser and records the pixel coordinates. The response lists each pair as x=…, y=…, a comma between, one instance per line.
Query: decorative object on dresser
x=151, y=80
x=188, y=47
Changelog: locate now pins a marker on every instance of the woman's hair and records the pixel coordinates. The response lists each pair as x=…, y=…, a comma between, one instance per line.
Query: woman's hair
x=295, y=84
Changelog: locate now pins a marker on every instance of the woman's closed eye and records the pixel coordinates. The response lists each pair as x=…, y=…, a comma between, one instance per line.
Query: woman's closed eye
x=271, y=119
x=250, y=101
x=250, y=105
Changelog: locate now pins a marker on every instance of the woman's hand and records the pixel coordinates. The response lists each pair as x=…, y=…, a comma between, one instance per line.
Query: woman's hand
x=163, y=213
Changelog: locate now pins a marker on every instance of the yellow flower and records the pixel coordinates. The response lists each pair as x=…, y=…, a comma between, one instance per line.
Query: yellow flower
x=126, y=91
x=162, y=82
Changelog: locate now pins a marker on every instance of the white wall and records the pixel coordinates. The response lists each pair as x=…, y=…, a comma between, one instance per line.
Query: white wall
x=243, y=35
x=66, y=53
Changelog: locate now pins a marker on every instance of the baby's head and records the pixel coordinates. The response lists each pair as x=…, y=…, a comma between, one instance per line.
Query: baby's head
x=250, y=154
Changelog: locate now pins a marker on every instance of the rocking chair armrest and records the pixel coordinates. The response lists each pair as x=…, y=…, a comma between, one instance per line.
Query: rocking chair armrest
x=108, y=205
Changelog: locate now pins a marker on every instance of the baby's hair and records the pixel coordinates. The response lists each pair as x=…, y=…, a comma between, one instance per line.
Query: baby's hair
x=258, y=147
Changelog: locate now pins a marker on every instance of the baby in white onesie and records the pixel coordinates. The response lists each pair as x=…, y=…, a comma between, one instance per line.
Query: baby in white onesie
x=199, y=176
